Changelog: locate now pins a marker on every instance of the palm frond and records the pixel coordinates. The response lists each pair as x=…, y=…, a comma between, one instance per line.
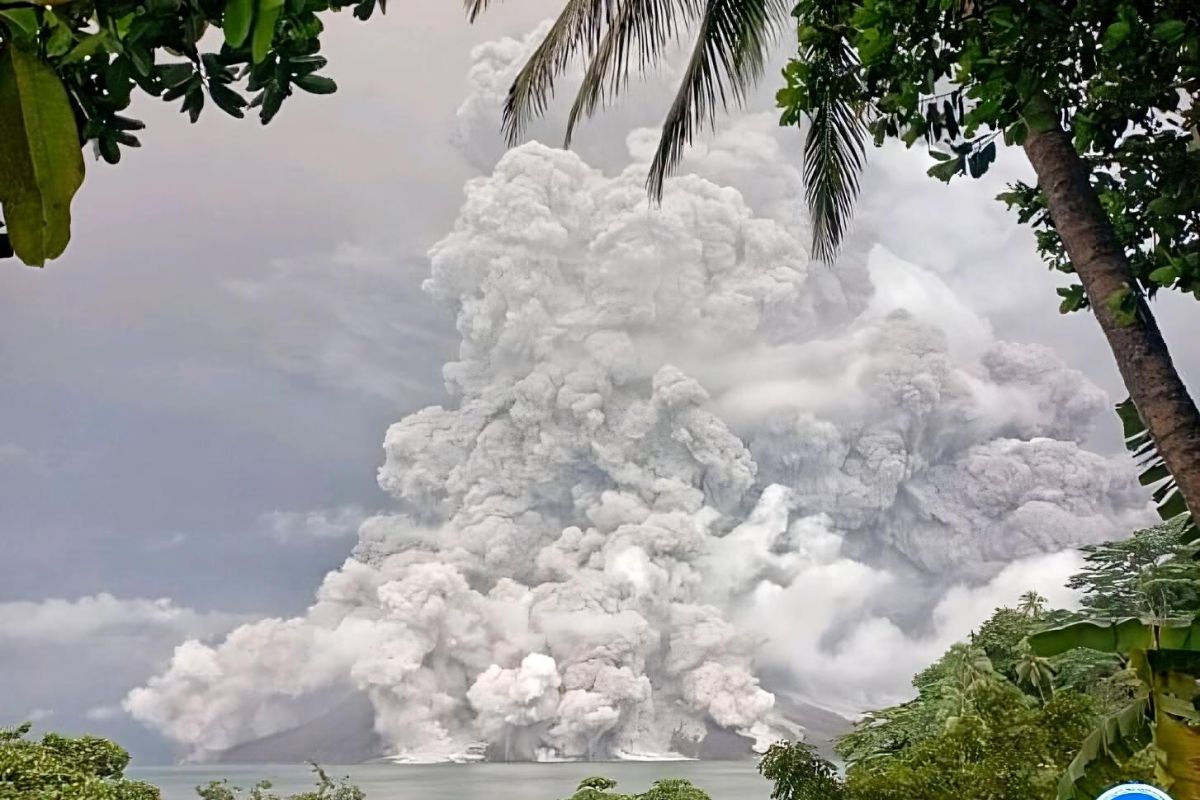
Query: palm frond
x=644, y=27
x=578, y=27
x=1154, y=472
x=475, y=8
x=834, y=148
x=731, y=45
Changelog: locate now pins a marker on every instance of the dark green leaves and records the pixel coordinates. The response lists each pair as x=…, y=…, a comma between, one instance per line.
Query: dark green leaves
x=732, y=39
x=316, y=84
x=99, y=55
x=41, y=167
x=946, y=168
x=824, y=90
x=798, y=772
x=1154, y=473
x=1170, y=31
x=226, y=99
x=1073, y=299
x=834, y=148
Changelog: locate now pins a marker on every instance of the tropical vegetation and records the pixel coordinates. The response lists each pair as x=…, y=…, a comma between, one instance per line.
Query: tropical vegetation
x=65, y=768
x=92, y=768
x=69, y=70
x=326, y=789
x=1040, y=703
x=601, y=788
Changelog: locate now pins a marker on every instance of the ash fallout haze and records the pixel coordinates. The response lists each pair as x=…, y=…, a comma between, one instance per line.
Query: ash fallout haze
x=652, y=484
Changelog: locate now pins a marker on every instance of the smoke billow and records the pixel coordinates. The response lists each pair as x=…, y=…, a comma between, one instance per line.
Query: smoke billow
x=682, y=471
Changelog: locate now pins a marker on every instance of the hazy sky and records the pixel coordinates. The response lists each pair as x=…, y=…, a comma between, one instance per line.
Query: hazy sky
x=195, y=395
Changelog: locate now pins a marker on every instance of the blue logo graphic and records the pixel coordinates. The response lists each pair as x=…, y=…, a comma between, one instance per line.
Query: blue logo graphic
x=1134, y=791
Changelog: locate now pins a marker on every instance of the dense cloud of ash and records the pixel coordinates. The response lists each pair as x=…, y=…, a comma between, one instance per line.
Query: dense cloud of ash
x=678, y=458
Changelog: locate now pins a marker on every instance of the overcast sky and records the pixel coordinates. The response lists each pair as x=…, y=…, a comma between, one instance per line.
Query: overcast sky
x=196, y=394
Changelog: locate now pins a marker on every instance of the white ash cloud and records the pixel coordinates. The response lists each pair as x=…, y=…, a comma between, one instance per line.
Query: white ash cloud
x=321, y=523
x=677, y=459
x=88, y=652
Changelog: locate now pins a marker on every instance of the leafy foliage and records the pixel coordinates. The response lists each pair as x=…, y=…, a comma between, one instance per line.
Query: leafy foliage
x=1002, y=746
x=961, y=74
x=1043, y=703
x=40, y=164
x=1152, y=573
x=326, y=789
x=85, y=59
x=799, y=773
x=600, y=788
x=64, y=768
x=1170, y=501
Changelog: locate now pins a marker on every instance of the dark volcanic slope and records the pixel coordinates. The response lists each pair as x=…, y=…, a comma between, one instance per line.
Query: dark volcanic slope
x=344, y=735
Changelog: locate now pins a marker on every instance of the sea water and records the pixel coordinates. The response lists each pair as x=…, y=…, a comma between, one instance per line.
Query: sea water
x=722, y=780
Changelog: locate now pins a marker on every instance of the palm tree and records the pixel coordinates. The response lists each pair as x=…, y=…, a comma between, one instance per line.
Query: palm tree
x=1032, y=605
x=1035, y=672
x=729, y=46
x=966, y=666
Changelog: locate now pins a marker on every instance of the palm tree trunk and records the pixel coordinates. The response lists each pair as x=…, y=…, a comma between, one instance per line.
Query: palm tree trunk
x=1157, y=391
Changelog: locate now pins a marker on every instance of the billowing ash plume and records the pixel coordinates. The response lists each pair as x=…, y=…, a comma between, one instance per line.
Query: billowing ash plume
x=682, y=471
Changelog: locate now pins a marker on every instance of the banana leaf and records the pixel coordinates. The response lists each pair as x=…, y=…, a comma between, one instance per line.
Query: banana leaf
x=1119, y=636
x=1177, y=754
x=1118, y=738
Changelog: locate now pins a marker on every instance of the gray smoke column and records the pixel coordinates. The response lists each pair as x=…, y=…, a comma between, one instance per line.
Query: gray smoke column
x=679, y=464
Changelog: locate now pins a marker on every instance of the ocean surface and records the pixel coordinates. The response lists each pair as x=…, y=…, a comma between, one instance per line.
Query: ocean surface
x=723, y=780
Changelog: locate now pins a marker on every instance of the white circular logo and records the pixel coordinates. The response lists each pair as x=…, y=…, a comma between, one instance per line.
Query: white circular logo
x=1134, y=791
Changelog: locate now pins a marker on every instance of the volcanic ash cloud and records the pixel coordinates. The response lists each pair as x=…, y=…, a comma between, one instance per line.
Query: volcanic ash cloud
x=681, y=471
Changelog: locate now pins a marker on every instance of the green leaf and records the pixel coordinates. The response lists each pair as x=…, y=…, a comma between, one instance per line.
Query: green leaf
x=1120, y=636
x=61, y=38
x=227, y=99
x=172, y=75
x=1158, y=472
x=1176, y=744
x=1073, y=299
x=1016, y=133
x=1170, y=31
x=41, y=166
x=946, y=170
x=264, y=28
x=1180, y=636
x=1117, y=32
x=317, y=84
x=89, y=45
x=23, y=21
x=1164, y=276
x=193, y=101
x=236, y=21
